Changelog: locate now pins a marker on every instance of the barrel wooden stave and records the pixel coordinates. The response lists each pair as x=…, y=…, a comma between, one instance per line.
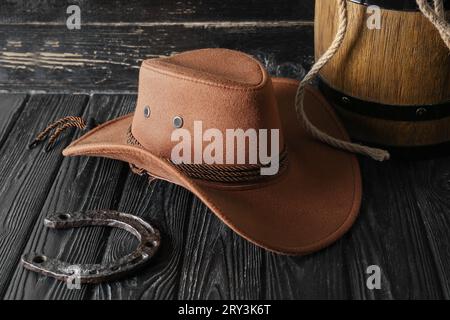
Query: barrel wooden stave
x=405, y=63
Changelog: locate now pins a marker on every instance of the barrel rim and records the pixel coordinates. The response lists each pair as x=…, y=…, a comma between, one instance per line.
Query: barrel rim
x=400, y=5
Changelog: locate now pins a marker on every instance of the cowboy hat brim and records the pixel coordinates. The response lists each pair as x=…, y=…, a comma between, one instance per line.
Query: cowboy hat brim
x=311, y=205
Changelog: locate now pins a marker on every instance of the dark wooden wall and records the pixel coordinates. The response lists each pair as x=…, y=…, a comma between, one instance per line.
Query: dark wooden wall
x=38, y=52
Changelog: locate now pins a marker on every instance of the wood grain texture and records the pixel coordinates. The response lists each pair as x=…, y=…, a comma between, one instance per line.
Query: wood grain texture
x=322, y=275
x=431, y=187
x=10, y=107
x=81, y=183
x=217, y=263
x=396, y=65
x=167, y=207
x=26, y=175
x=402, y=228
x=107, y=59
x=390, y=233
x=404, y=219
x=403, y=63
x=397, y=230
x=138, y=11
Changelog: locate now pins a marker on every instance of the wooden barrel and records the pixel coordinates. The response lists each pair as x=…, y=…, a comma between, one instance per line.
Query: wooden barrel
x=391, y=86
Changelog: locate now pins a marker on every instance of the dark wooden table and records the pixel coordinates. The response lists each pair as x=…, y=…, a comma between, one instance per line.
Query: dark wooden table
x=47, y=72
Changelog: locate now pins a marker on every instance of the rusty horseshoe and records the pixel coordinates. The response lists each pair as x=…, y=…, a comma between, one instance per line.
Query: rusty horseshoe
x=149, y=242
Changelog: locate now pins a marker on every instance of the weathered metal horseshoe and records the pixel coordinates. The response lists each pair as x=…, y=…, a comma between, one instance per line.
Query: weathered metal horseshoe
x=149, y=242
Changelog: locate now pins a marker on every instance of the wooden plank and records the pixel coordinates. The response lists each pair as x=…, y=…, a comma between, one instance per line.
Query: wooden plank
x=138, y=11
x=402, y=228
x=199, y=258
x=10, y=107
x=27, y=175
x=322, y=275
x=217, y=263
x=390, y=233
x=81, y=183
x=106, y=59
x=167, y=207
x=431, y=186
x=397, y=230
x=86, y=183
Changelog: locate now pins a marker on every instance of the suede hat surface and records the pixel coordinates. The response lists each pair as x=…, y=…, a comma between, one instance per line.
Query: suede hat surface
x=310, y=203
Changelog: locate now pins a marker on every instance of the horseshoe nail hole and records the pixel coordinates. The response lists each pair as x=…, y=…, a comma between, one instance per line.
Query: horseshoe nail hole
x=39, y=259
x=93, y=272
x=115, y=268
x=64, y=216
x=151, y=244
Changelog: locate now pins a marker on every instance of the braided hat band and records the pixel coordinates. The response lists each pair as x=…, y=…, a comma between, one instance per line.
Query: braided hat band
x=218, y=173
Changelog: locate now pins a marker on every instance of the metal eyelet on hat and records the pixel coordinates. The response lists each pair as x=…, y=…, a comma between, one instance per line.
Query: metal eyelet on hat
x=147, y=111
x=177, y=122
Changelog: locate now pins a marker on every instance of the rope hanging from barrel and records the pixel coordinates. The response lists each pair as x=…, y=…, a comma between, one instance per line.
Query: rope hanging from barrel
x=436, y=17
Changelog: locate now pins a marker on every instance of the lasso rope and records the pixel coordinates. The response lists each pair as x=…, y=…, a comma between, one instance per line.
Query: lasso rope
x=436, y=17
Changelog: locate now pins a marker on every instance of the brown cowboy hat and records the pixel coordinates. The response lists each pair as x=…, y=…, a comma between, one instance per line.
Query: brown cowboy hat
x=312, y=200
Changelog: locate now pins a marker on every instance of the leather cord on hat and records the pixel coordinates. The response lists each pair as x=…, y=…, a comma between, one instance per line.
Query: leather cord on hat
x=247, y=173
x=436, y=16
x=58, y=127
x=141, y=172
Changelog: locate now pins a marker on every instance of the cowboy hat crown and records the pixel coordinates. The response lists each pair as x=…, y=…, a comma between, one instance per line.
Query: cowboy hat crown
x=219, y=88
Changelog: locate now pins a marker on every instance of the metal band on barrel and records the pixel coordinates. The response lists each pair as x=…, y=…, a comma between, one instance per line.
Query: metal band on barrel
x=385, y=111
